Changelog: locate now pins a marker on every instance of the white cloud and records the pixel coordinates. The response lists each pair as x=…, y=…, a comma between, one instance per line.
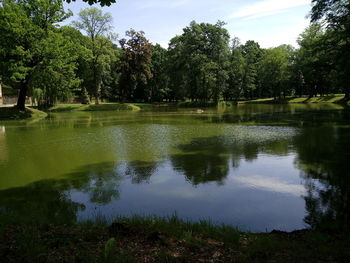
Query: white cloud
x=270, y=184
x=267, y=8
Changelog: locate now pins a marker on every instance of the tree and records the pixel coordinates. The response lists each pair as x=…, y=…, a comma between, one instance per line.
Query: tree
x=314, y=61
x=252, y=53
x=135, y=63
x=97, y=25
x=25, y=27
x=200, y=60
x=334, y=12
x=55, y=77
x=336, y=16
x=101, y=2
x=81, y=50
x=177, y=70
x=273, y=72
x=236, y=72
x=157, y=87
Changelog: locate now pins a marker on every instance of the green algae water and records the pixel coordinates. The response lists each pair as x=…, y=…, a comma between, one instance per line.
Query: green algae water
x=257, y=167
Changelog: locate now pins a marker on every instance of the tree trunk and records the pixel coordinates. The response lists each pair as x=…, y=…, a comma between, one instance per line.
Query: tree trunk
x=97, y=102
x=347, y=95
x=21, y=101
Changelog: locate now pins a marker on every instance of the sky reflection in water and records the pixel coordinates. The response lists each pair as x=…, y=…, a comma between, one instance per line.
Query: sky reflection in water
x=256, y=167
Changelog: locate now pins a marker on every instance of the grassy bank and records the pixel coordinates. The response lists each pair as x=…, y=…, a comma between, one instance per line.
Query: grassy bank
x=335, y=98
x=9, y=113
x=152, y=239
x=93, y=107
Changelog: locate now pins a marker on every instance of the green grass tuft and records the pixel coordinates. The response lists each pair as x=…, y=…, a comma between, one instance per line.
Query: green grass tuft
x=185, y=230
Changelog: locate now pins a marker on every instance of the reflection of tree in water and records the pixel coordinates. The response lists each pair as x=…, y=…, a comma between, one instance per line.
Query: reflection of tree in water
x=42, y=202
x=203, y=160
x=102, y=184
x=207, y=159
x=298, y=115
x=324, y=158
x=49, y=200
x=139, y=171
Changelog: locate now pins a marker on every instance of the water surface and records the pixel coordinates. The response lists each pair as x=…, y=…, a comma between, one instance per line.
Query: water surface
x=258, y=167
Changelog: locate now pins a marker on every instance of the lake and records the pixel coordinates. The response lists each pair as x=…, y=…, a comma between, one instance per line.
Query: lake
x=258, y=167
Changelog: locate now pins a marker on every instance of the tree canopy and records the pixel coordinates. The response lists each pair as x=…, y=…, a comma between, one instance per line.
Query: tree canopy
x=101, y=2
x=85, y=60
x=31, y=48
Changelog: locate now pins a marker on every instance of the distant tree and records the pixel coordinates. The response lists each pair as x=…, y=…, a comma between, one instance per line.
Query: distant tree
x=236, y=72
x=94, y=22
x=136, y=62
x=157, y=87
x=252, y=53
x=81, y=50
x=177, y=70
x=200, y=60
x=313, y=59
x=97, y=25
x=273, y=71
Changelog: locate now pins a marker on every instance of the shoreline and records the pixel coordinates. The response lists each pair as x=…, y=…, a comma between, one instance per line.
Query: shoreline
x=154, y=239
x=11, y=113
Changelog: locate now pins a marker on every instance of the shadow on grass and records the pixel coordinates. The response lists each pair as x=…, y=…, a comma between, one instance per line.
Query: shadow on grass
x=8, y=113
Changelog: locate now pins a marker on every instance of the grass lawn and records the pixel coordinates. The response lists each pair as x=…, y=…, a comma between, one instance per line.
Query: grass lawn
x=334, y=98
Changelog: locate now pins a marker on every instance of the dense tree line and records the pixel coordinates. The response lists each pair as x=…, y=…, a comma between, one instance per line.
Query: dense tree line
x=86, y=61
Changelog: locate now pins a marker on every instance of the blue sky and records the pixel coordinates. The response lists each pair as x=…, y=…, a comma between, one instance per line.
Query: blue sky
x=270, y=22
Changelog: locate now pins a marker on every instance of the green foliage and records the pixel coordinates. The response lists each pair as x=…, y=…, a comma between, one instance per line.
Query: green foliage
x=157, y=88
x=274, y=71
x=109, y=250
x=34, y=55
x=313, y=60
x=101, y=2
x=94, y=22
x=96, y=67
x=236, y=72
x=198, y=61
x=335, y=14
x=135, y=63
x=58, y=64
x=55, y=76
x=252, y=54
